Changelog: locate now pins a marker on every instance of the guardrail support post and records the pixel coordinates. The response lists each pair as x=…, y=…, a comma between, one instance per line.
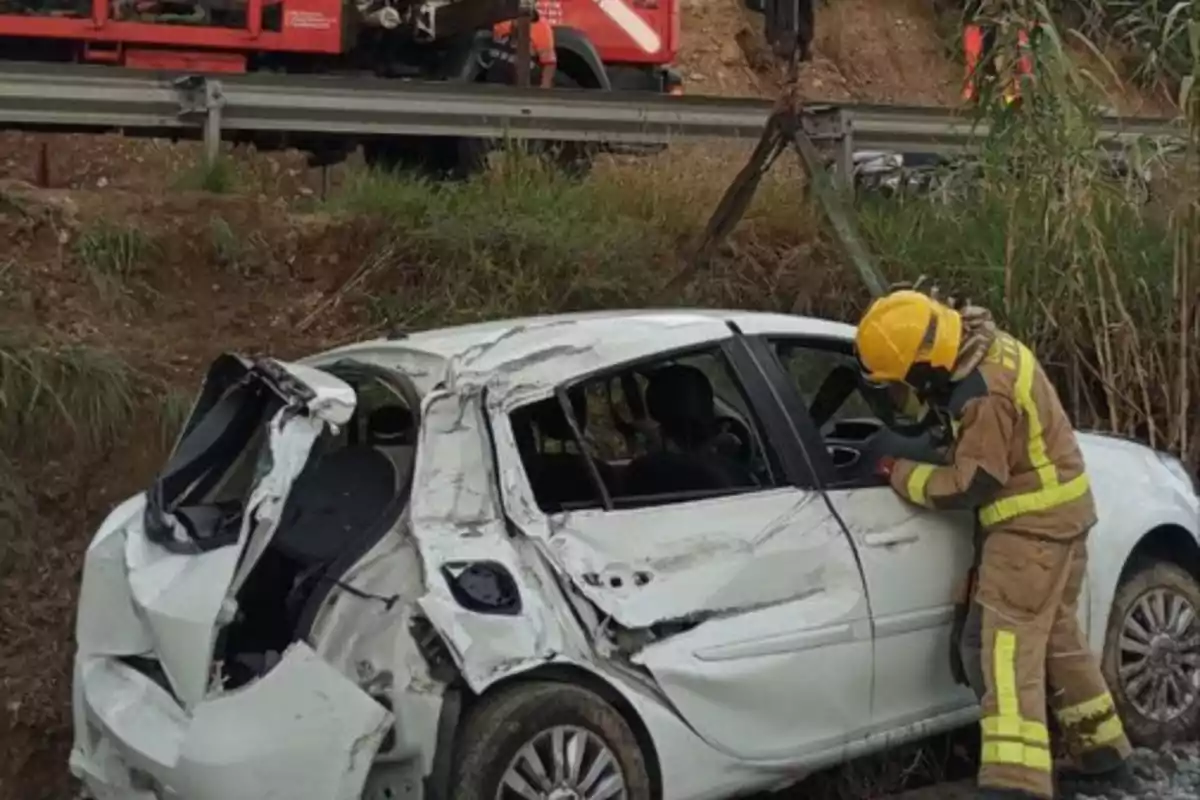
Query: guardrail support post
x=203, y=96
x=214, y=101
x=845, y=163
x=830, y=132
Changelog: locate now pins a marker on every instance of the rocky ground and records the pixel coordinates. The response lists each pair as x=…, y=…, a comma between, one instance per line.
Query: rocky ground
x=1172, y=773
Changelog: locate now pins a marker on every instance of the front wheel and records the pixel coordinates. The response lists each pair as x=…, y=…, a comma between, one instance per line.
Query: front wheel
x=1151, y=657
x=548, y=740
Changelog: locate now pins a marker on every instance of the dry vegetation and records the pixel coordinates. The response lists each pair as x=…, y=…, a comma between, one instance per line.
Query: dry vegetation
x=112, y=300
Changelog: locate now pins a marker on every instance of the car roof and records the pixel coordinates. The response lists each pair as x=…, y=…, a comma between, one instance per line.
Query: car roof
x=555, y=347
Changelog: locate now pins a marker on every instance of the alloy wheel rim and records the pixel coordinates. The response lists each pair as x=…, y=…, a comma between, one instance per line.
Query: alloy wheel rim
x=1160, y=655
x=564, y=762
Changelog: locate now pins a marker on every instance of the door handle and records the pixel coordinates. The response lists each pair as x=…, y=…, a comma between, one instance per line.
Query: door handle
x=889, y=538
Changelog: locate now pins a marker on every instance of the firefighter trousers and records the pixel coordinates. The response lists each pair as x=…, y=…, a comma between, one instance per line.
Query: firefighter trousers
x=1022, y=649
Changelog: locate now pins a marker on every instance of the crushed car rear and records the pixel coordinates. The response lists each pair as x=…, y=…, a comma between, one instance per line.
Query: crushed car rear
x=194, y=676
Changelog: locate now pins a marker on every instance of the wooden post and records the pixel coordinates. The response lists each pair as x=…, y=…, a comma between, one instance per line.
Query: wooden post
x=523, y=44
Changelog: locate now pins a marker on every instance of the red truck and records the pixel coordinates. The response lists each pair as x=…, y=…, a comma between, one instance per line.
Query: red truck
x=601, y=44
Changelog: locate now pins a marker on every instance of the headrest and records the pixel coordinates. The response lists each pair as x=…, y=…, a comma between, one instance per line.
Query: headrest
x=679, y=394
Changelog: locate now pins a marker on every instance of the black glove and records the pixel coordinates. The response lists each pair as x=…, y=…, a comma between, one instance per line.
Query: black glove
x=918, y=447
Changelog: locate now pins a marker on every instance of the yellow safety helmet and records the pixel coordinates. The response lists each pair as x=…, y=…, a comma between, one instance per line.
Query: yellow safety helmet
x=904, y=329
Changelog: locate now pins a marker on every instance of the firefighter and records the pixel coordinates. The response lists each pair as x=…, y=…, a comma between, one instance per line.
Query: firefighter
x=1015, y=459
x=541, y=51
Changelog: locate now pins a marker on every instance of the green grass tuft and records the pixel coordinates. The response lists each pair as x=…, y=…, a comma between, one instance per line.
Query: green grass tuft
x=114, y=257
x=219, y=177
x=51, y=392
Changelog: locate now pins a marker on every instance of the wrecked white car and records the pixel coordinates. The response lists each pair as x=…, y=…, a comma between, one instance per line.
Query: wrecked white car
x=614, y=555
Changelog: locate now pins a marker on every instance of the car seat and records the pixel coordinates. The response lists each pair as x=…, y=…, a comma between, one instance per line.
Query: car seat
x=391, y=431
x=337, y=498
x=680, y=399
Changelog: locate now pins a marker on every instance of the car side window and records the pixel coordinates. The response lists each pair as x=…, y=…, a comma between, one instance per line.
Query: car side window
x=656, y=432
x=847, y=416
x=826, y=380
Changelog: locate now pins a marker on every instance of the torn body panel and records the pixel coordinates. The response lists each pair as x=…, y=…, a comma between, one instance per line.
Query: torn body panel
x=303, y=730
x=152, y=718
x=774, y=683
x=184, y=596
x=457, y=518
x=372, y=641
x=707, y=558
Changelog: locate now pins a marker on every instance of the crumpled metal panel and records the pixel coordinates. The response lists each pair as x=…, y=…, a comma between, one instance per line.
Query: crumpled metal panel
x=174, y=603
x=302, y=730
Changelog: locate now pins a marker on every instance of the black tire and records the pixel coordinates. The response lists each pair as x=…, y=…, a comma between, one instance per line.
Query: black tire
x=501, y=725
x=1143, y=730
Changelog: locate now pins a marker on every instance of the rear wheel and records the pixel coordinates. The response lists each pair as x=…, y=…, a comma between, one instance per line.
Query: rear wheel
x=548, y=740
x=1151, y=657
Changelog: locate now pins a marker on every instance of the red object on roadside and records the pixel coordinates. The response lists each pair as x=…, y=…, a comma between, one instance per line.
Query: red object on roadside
x=638, y=39
x=976, y=46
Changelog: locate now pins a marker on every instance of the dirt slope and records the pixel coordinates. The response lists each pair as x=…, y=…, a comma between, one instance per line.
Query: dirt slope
x=874, y=51
x=886, y=51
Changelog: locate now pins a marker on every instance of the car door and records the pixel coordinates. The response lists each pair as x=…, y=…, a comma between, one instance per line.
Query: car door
x=748, y=608
x=912, y=558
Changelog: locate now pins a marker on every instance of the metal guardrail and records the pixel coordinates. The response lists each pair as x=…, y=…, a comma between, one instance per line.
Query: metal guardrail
x=93, y=99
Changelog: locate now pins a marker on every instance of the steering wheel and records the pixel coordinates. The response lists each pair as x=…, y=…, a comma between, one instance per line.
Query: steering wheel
x=734, y=439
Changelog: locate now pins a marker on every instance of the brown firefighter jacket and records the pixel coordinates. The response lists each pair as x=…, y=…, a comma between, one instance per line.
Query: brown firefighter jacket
x=1015, y=456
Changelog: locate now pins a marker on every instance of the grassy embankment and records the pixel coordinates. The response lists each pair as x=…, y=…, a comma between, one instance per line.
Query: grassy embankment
x=1103, y=288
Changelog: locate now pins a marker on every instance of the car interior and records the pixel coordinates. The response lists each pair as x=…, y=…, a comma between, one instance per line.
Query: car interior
x=348, y=495
x=664, y=435
x=850, y=414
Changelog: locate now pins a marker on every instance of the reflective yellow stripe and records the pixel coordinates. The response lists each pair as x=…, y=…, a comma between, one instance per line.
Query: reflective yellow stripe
x=1029, y=731
x=1004, y=670
x=1105, y=733
x=1033, y=751
x=1097, y=706
x=918, y=480
x=1045, y=468
x=1092, y=735
x=1053, y=493
x=1017, y=754
x=1030, y=502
